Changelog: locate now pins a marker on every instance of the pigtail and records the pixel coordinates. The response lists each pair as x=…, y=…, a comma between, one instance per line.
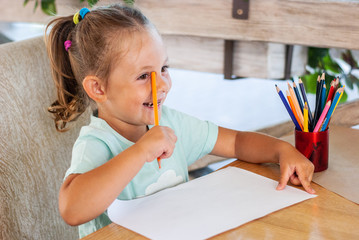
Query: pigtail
x=71, y=101
x=82, y=44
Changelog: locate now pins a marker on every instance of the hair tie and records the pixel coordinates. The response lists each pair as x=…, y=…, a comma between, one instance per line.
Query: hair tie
x=67, y=45
x=80, y=15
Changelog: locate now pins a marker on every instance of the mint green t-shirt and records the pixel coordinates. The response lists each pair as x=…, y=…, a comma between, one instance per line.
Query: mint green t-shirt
x=98, y=143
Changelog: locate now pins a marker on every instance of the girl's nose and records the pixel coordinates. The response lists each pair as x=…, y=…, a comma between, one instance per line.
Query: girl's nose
x=163, y=83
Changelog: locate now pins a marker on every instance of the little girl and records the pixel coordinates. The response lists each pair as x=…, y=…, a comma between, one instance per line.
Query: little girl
x=106, y=57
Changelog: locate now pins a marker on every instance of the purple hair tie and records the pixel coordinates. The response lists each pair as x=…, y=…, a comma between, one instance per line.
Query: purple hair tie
x=67, y=45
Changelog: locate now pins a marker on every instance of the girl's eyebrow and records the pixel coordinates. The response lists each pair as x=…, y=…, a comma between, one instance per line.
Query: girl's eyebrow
x=150, y=67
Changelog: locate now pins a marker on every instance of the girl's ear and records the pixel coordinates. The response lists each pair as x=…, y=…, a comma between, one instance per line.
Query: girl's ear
x=94, y=88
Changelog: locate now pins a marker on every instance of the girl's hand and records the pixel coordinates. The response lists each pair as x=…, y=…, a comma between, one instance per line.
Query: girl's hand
x=296, y=168
x=159, y=141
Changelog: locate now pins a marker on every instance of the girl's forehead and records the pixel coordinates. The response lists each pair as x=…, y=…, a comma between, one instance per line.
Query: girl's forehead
x=143, y=46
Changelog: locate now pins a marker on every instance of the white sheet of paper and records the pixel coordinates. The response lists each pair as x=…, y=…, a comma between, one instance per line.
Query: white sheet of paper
x=205, y=206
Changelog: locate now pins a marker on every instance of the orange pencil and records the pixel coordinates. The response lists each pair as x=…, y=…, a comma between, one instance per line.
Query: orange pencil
x=293, y=110
x=155, y=105
x=296, y=105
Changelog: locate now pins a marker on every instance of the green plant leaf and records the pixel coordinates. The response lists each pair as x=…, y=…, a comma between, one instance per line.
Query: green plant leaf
x=344, y=98
x=25, y=2
x=48, y=7
x=92, y=2
x=310, y=82
x=315, y=56
x=330, y=64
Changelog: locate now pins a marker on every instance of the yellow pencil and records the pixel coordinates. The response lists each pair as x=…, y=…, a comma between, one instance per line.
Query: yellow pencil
x=305, y=111
x=155, y=105
x=341, y=90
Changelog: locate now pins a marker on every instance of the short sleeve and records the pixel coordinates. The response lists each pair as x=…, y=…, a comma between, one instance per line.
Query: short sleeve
x=88, y=153
x=200, y=139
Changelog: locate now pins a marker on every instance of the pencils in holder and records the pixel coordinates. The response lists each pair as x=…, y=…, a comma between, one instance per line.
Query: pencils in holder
x=303, y=118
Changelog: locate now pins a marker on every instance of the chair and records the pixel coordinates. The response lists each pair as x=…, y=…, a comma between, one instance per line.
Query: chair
x=33, y=155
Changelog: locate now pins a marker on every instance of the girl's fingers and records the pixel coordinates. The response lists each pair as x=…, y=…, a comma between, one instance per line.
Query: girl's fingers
x=284, y=178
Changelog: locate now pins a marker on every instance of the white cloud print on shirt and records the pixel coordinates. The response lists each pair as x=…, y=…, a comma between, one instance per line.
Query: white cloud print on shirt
x=166, y=180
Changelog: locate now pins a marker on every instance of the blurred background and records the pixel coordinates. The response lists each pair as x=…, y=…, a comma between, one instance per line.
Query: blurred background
x=242, y=97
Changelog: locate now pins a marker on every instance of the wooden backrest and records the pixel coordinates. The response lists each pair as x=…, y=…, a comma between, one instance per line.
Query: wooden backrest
x=330, y=23
x=195, y=31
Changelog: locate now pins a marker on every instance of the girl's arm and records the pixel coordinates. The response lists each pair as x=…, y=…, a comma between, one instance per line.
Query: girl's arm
x=259, y=148
x=85, y=196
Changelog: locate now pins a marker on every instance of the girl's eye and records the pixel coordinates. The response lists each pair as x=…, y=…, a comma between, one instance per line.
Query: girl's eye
x=144, y=76
x=165, y=68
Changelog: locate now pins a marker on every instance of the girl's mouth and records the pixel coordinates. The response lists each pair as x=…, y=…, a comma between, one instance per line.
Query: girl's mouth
x=150, y=104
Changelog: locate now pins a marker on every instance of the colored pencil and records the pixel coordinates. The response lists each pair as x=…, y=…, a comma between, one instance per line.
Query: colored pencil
x=294, y=111
x=298, y=96
x=296, y=105
x=316, y=92
x=322, y=116
x=341, y=90
x=287, y=107
x=331, y=90
x=324, y=96
x=155, y=105
x=336, y=100
x=304, y=95
x=336, y=86
x=318, y=111
x=305, y=112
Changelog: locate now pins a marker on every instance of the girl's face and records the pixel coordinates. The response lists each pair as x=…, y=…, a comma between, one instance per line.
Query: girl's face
x=129, y=94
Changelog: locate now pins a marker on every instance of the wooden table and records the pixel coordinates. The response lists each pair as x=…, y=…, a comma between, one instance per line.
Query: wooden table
x=328, y=216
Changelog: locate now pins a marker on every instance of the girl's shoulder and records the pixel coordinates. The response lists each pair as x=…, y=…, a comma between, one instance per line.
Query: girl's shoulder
x=174, y=117
x=99, y=131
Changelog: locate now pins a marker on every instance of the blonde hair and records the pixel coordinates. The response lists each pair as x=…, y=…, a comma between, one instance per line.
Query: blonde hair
x=93, y=51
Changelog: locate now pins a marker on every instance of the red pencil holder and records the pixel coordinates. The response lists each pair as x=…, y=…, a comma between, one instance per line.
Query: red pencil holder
x=315, y=147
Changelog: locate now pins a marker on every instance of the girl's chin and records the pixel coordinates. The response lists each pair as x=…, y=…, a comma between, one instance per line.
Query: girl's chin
x=151, y=120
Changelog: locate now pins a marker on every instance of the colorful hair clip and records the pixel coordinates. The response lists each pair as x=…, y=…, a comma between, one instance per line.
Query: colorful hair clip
x=83, y=12
x=76, y=18
x=67, y=45
x=80, y=15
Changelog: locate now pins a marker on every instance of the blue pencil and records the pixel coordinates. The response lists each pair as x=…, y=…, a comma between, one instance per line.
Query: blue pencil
x=318, y=105
x=288, y=108
x=324, y=97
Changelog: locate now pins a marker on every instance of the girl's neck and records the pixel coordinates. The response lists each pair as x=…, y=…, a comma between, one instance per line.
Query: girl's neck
x=131, y=132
